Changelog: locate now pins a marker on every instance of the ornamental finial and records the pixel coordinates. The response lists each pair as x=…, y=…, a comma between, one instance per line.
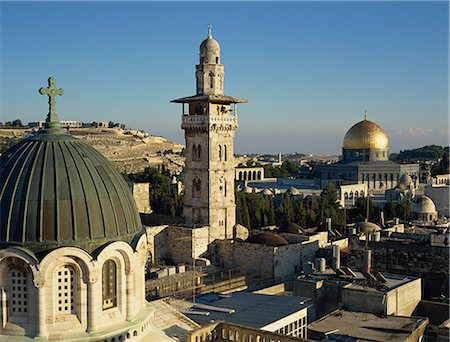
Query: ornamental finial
x=52, y=120
x=365, y=115
x=209, y=31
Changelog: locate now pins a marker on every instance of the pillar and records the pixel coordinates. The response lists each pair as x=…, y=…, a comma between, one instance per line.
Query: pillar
x=94, y=304
x=3, y=305
x=41, y=310
x=130, y=295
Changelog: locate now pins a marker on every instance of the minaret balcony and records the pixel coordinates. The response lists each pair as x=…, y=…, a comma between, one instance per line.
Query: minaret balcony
x=202, y=120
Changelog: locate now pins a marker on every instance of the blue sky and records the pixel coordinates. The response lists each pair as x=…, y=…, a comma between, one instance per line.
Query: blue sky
x=309, y=69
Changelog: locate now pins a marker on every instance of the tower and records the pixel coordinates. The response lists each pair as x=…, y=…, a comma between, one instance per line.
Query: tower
x=209, y=122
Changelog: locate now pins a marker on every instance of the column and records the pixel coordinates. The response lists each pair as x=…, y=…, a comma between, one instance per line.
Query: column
x=41, y=310
x=3, y=305
x=129, y=274
x=94, y=304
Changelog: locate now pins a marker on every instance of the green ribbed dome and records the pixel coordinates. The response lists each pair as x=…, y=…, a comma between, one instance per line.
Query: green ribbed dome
x=57, y=191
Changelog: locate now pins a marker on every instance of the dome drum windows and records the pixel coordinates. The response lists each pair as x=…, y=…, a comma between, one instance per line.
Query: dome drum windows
x=18, y=293
x=66, y=294
x=109, y=285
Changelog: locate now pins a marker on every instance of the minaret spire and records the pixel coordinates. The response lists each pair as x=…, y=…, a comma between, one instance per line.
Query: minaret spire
x=209, y=31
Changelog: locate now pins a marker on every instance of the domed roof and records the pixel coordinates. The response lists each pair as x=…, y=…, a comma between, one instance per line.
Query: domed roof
x=423, y=205
x=209, y=50
x=293, y=191
x=367, y=227
x=268, y=239
x=267, y=192
x=248, y=189
x=58, y=191
x=365, y=135
x=405, y=181
x=292, y=228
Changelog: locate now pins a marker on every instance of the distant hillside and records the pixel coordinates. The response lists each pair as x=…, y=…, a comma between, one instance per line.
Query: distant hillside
x=425, y=153
x=130, y=151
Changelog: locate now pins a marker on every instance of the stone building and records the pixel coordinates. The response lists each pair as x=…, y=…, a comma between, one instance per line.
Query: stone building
x=209, y=122
x=365, y=160
x=72, y=246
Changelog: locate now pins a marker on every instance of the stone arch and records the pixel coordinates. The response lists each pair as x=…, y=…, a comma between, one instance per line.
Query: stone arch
x=254, y=175
x=259, y=175
x=240, y=175
x=17, y=277
x=211, y=80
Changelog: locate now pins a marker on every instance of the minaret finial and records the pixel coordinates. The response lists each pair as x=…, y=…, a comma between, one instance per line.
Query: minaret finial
x=365, y=115
x=52, y=120
x=209, y=31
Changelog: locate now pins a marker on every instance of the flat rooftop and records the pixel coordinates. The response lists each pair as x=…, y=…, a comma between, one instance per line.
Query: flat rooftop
x=392, y=281
x=251, y=309
x=365, y=326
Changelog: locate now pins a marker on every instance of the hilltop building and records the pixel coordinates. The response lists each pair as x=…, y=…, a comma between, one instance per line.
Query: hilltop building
x=365, y=160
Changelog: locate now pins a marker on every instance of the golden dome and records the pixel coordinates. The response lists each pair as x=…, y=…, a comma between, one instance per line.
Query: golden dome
x=365, y=135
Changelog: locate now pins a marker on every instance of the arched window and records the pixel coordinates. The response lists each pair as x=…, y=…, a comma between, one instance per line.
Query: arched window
x=65, y=293
x=220, y=152
x=211, y=80
x=224, y=188
x=217, y=60
x=225, y=152
x=254, y=175
x=259, y=175
x=194, y=152
x=18, y=293
x=240, y=175
x=199, y=152
x=109, y=284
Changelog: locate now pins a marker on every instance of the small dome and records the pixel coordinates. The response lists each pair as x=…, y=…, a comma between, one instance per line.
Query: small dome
x=367, y=227
x=292, y=228
x=365, y=135
x=248, y=189
x=293, y=191
x=406, y=180
x=268, y=239
x=209, y=50
x=267, y=192
x=58, y=191
x=423, y=205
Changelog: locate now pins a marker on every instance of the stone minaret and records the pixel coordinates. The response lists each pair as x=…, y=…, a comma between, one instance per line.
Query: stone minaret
x=209, y=122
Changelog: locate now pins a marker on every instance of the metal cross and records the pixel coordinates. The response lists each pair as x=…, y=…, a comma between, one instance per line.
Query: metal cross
x=365, y=115
x=51, y=91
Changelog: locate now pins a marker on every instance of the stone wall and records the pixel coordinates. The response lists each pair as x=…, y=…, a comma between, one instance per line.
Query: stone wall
x=253, y=259
x=141, y=195
x=177, y=244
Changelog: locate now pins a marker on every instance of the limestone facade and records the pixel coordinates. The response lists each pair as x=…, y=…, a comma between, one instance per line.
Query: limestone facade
x=73, y=295
x=141, y=195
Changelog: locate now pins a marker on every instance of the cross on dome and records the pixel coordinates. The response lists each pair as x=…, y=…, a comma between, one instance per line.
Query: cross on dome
x=51, y=92
x=365, y=115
